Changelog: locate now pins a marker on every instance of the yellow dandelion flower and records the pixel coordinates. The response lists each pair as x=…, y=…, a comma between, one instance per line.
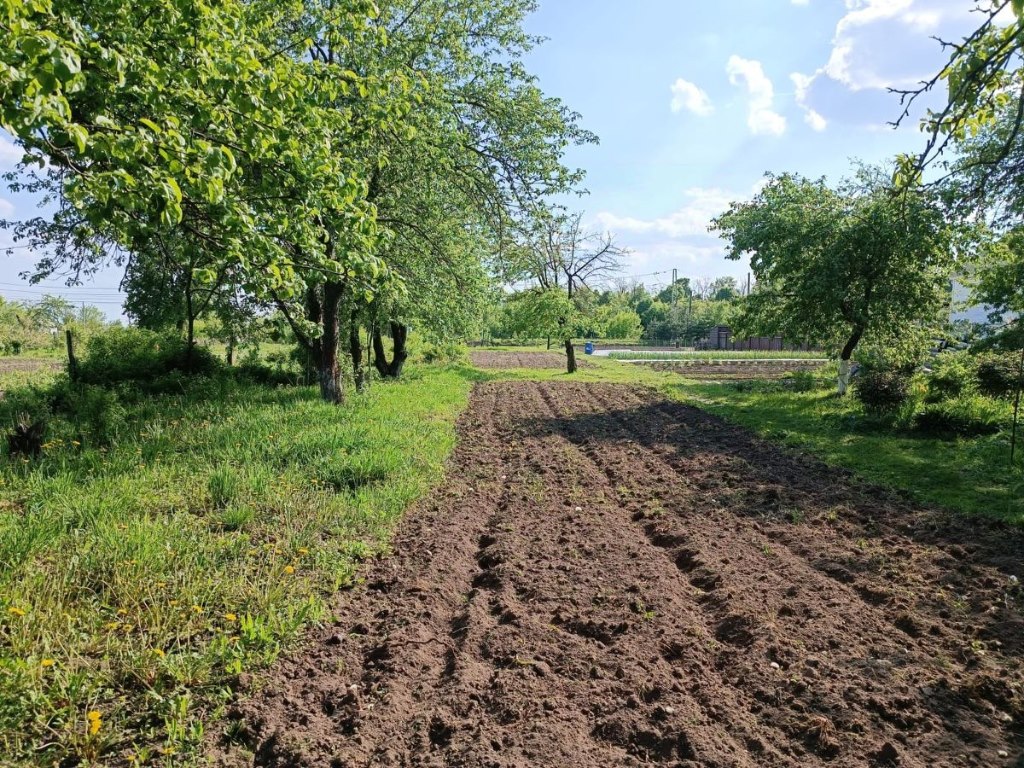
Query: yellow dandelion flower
x=197, y=609
x=95, y=725
x=93, y=715
x=173, y=602
x=289, y=569
x=230, y=617
x=112, y=624
x=159, y=652
x=15, y=611
x=46, y=663
x=303, y=551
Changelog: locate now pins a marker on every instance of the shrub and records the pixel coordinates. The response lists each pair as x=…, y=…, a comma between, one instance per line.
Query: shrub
x=444, y=352
x=802, y=381
x=998, y=374
x=136, y=355
x=882, y=390
x=964, y=416
x=952, y=375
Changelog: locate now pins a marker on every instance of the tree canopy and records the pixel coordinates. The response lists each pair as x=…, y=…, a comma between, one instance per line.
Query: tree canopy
x=836, y=265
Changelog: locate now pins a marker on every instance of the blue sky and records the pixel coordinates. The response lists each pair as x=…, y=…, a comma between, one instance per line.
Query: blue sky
x=693, y=103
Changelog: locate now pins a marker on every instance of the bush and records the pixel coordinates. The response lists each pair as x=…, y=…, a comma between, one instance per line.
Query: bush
x=952, y=375
x=136, y=355
x=882, y=390
x=998, y=374
x=802, y=381
x=444, y=352
x=964, y=416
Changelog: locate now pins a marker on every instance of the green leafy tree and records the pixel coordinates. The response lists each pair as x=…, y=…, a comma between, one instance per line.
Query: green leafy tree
x=836, y=265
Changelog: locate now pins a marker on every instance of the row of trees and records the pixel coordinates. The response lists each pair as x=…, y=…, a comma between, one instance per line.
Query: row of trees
x=347, y=164
x=684, y=312
x=37, y=325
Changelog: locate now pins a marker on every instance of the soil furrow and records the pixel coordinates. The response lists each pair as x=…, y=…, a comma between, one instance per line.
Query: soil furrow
x=607, y=578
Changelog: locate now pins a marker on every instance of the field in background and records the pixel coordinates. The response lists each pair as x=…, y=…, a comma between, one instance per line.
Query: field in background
x=716, y=355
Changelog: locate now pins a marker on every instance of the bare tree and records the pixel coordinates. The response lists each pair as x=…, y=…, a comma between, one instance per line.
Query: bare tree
x=562, y=255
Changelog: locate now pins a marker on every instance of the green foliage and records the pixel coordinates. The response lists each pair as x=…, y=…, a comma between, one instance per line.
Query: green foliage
x=444, y=352
x=623, y=324
x=197, y=546
x=998, y=374
x=834, y=266
x=962, y=416
x=144, y=357
x=967, y=475
x=538, y=313
x=882, y=390
x=952, y=374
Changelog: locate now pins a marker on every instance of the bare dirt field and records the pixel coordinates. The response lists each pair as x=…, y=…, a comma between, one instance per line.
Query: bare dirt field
x=727, y=370
x=507, y=360
x=612, y=579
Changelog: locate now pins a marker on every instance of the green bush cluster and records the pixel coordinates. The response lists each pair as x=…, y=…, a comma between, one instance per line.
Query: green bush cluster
x=883, y=390
x=957, y=395
x=145, y=358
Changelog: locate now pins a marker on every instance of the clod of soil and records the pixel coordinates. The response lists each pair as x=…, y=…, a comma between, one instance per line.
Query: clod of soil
x=610, y=579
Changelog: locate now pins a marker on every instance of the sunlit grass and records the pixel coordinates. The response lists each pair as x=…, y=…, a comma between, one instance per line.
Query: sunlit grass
x=139, y=579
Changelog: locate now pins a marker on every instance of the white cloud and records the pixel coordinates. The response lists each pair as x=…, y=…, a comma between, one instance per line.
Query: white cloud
x=6, y=208
x=689, y=96
x=813, y=118
x=800, y=2
x=10, y=153
x=762, y=119
x=877, y=45
x=692, y=219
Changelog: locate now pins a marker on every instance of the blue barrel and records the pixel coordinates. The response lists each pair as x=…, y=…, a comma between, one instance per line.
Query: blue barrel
x=588, y=348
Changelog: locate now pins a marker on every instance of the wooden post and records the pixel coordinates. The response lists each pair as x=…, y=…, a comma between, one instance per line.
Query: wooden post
x=72, y=361
x=1016, y=407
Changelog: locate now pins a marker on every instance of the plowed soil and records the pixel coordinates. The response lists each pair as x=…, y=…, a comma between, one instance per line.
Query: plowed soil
x=727, y=370
x=509, y=360
x=611, y=579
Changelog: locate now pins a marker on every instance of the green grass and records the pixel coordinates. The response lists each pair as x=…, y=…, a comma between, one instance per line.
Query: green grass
x=971, y=476
x=139, y=578
x=715, y=355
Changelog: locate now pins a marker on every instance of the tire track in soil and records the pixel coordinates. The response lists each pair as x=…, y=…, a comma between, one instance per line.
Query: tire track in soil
x=610, y=579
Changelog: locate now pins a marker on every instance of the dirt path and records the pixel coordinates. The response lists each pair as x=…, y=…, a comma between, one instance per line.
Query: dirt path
x=609, y=579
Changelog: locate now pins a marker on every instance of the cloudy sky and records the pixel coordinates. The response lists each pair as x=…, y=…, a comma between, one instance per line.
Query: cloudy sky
x=693, y=103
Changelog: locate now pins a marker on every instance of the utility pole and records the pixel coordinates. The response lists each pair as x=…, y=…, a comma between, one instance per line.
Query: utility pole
x=675, y=289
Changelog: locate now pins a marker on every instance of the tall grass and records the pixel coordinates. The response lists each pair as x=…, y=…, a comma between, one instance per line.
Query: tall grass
x=140, y=578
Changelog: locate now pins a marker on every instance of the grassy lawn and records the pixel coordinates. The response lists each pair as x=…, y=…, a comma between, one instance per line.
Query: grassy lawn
x=139, y=576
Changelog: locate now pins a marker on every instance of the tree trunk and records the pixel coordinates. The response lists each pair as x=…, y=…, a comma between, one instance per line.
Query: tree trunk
x=328, y=369
x=231, y=350
x=190, y=325
x=844, y=360
x=355, y=348
x=570, y=357
x=399, y=336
